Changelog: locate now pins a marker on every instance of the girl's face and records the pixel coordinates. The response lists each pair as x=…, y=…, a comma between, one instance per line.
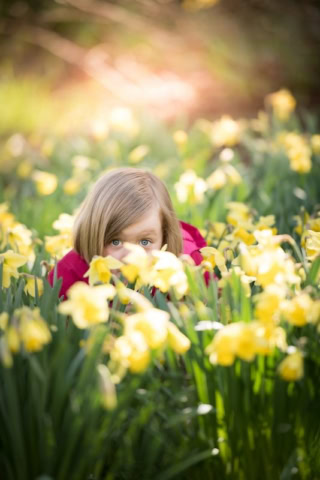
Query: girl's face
x=147, y=233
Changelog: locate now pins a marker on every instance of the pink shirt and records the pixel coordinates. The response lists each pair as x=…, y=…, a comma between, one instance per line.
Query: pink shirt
x=72, y=267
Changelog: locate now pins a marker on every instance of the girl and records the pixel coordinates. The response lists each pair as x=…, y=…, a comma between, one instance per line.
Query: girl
x=125, y=205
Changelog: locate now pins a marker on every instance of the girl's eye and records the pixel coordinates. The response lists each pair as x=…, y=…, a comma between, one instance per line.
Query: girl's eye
x=145, y=243
x=116, y=243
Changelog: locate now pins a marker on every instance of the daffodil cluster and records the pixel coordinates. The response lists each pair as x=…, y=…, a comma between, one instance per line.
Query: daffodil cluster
x=261, y=261
x=159, y=269
x=14, y=235
x=145, y=333
x=59, y=245
x=24, y=330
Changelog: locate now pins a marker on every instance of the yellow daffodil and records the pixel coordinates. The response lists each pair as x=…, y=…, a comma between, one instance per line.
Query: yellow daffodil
x=312, y=244
x=138, y=264
x=222, y=349
x=107, y=388
x=100, y=269
x=126, y=295
x=282, y=102
x=218, y=229
x=20, y=240
x=226, y=132
x=137, y=154
x=315, y=144
x=152, y=323
x=268, y=262
x=268, y=304
x=269, y=336
x=30, y=287
x=87, y=305
x=72, y=186
x=46, y=183
x=298, y=151
x=243, y=235
x=291, y=368
x=24, y=169
x=33, y=330
x=168, y=272
x=190, y=188
x=5, y=354
x=4, y=319
x=226, y=174
x=213, y=257
x=217, y=179
x=313, y=224
x=180, y=137
x=245, y=279
x=64, y=223
x=132, y=351
x=11, y=261
x=239, y=214
x=6, y=218
x=177, y=340
x=299, y=310
x=13, y=339
x=58, y=245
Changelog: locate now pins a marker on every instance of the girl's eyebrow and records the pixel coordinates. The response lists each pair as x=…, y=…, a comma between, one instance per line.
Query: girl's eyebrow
x=143, y=233
x=147, y=232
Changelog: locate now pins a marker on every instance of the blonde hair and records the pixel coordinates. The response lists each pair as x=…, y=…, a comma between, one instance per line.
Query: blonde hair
x=119, y=199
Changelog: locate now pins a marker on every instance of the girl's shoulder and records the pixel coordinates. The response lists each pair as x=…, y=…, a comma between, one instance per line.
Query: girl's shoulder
x=71, y=269
x=192, y=238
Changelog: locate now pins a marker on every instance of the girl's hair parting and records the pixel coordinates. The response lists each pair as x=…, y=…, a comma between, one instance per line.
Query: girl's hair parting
x=117, y=200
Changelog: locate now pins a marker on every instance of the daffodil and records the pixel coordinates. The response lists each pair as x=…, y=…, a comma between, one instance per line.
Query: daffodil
x=33, y=330
x=13, y=339
x=137, y=154
x=168, y=272
x=64, y=223
x=239, y=214
x=180, y=137
x=282, y=102
x=100, y=269
x=11, y=261
x=177, y=340
x=46, y=183
x=299, y=310
x=152, y=323
x=107, y=388
x=291, y=368
x=19, y=238
x=268, y=304
x=298, y=151
x=30, y=287
x=5, y=354
x=315, y=144
x=87, y=305
x=4, y=319
x=58, y=245
x=226, y=132
x=72, y=186
x=312, y=244
x=190, y=188
x=222, y=349
x=132, y=352
x=267, y=261
x=213, y=257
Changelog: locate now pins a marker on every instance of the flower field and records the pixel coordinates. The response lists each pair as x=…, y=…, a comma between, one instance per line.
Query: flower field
x=215, y=379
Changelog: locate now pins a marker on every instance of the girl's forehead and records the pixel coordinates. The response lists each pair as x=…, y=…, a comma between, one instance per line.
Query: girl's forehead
x=149, y=223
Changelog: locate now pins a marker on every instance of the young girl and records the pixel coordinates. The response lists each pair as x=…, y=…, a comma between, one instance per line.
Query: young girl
x=125, y=205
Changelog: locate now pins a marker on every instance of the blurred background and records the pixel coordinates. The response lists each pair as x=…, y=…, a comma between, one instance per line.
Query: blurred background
x=64, y=63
